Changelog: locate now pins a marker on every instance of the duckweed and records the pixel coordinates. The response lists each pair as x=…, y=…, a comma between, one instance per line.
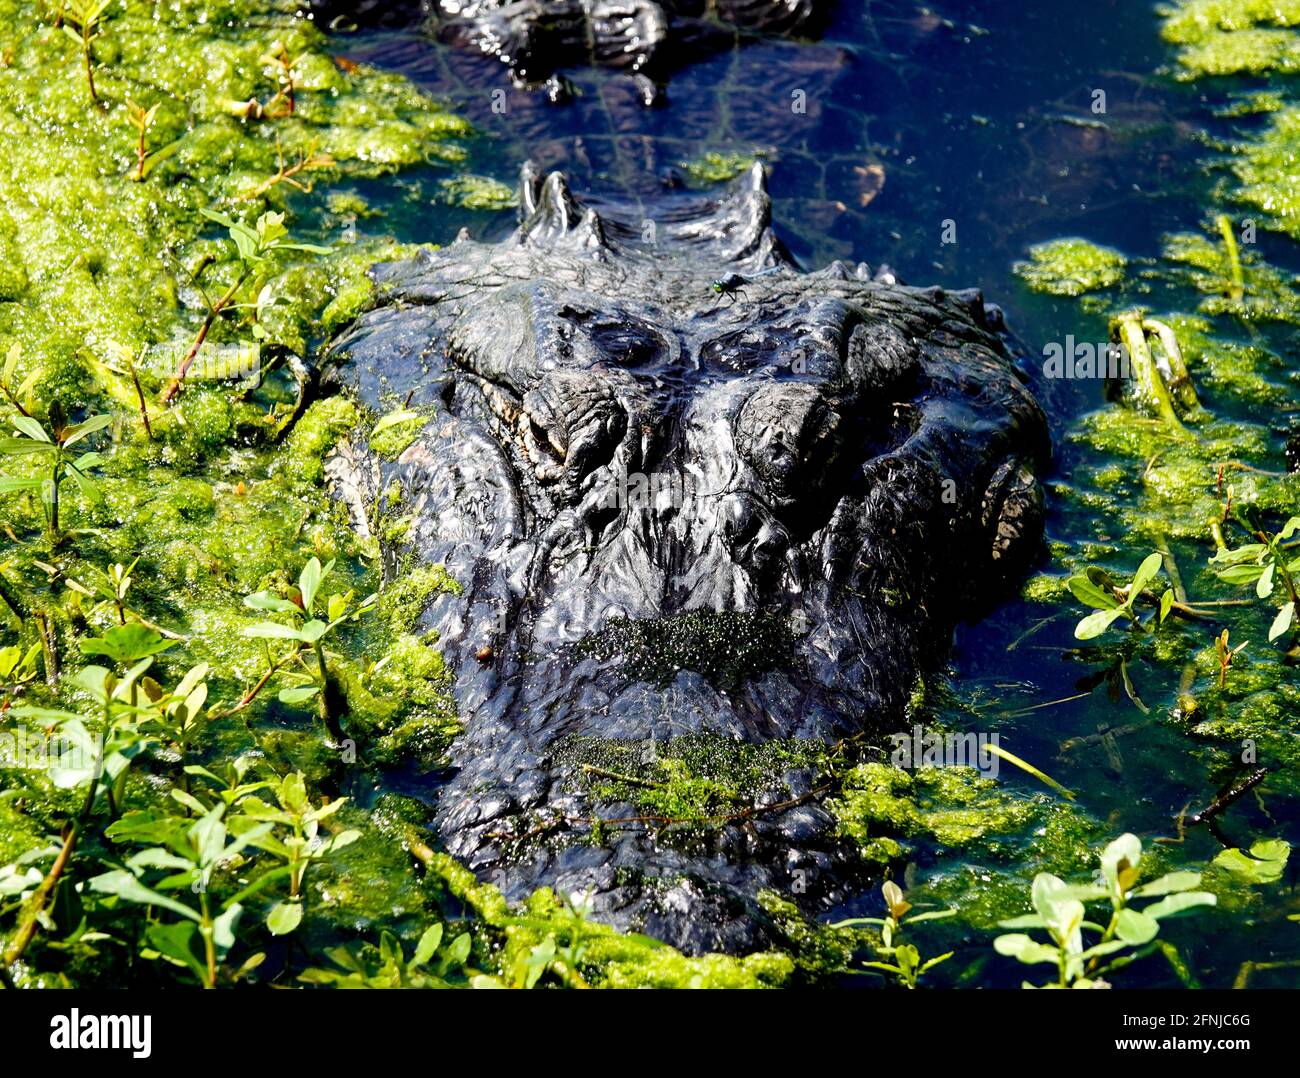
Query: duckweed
x=1071, y=267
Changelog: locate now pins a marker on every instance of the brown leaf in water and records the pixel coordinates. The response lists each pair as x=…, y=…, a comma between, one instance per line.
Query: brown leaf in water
x=873, y=182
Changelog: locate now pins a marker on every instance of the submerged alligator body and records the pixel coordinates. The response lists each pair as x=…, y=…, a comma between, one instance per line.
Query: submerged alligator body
x=535, y=39
x=690, y=491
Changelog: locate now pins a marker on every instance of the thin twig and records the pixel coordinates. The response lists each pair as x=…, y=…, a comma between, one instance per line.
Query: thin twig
x=1226, y=800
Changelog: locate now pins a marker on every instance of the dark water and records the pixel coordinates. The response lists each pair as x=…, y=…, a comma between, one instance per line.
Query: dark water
x=980, y=117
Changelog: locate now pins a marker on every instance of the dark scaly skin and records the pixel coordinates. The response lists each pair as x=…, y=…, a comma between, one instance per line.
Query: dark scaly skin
x=859, y=457
x=535, y=39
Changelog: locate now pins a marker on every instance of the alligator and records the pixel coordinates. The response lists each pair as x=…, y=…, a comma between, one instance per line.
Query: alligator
x=690, y=491
x=537, y=39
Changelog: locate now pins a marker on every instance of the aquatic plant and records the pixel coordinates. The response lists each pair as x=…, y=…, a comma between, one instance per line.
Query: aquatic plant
x=1264, y=563
x=1071, y=267
x=51, y=447
x=141, y=119
x=17, y=392
x=184, y=855
x=81, y=24
x=284, y=103
x=100, y=748
x=295, y=839
x=386, y=965
x=306, y=636
x=255, y=246
x=1157, y=387
x=907, y=964
x=309, y=160
x=17, y=667
x=1129, y=934
x=110, y=586
x=1112, y=600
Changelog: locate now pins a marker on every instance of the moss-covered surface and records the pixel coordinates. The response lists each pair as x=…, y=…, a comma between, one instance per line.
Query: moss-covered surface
x=726, y=647
x=715, y=167
x=694, y=782
x=478, y=193
x=1071, y=267
x=879, y=804
x=1233, y=37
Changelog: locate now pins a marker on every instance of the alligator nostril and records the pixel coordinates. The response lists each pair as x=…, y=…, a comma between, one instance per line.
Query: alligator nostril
x=790, y=434
x=738, y=520
x=599, y=521
x=548, y=438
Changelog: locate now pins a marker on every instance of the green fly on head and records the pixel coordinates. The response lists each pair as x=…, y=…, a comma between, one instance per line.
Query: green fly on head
x=729, y=286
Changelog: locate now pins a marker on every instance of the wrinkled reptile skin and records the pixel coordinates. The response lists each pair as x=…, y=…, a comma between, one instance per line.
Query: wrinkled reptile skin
x=841, y=456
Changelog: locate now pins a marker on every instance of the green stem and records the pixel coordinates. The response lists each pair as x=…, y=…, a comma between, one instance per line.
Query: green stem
x=214, y=312
x=1234, y=258
x=54, y=498
x=1150, y=382
x=326, y=711
x=30, y=920
x=209, y=943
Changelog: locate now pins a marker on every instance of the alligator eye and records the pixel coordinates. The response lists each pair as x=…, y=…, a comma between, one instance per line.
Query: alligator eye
x=627, y=345
x=611, y=337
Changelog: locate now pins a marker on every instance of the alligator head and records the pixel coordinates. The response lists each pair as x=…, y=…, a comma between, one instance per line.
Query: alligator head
x=690, y=491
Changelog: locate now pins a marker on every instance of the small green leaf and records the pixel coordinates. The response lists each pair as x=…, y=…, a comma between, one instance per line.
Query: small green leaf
x=123, y=884
x=265, y=600
x=1185, y=900
x=127, y=643
x=1264, y=587
x=1282, y=622
x=1136, y=928
x=457, y=952
x=1168, y=884
x=175, y=942
x=313, y=631
x=424, y=950
x=1240, y=574
x=82, y=430
x=1090, y=594
x=1026, y=920
x=1146, y=572
x=1119, y=863
x=284, y=918
x=309, y=581
x=298, y=695
x=1025, y=949
x=28, y=426
x=1264, y=863
x=1096, y=624
x=394, y=418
